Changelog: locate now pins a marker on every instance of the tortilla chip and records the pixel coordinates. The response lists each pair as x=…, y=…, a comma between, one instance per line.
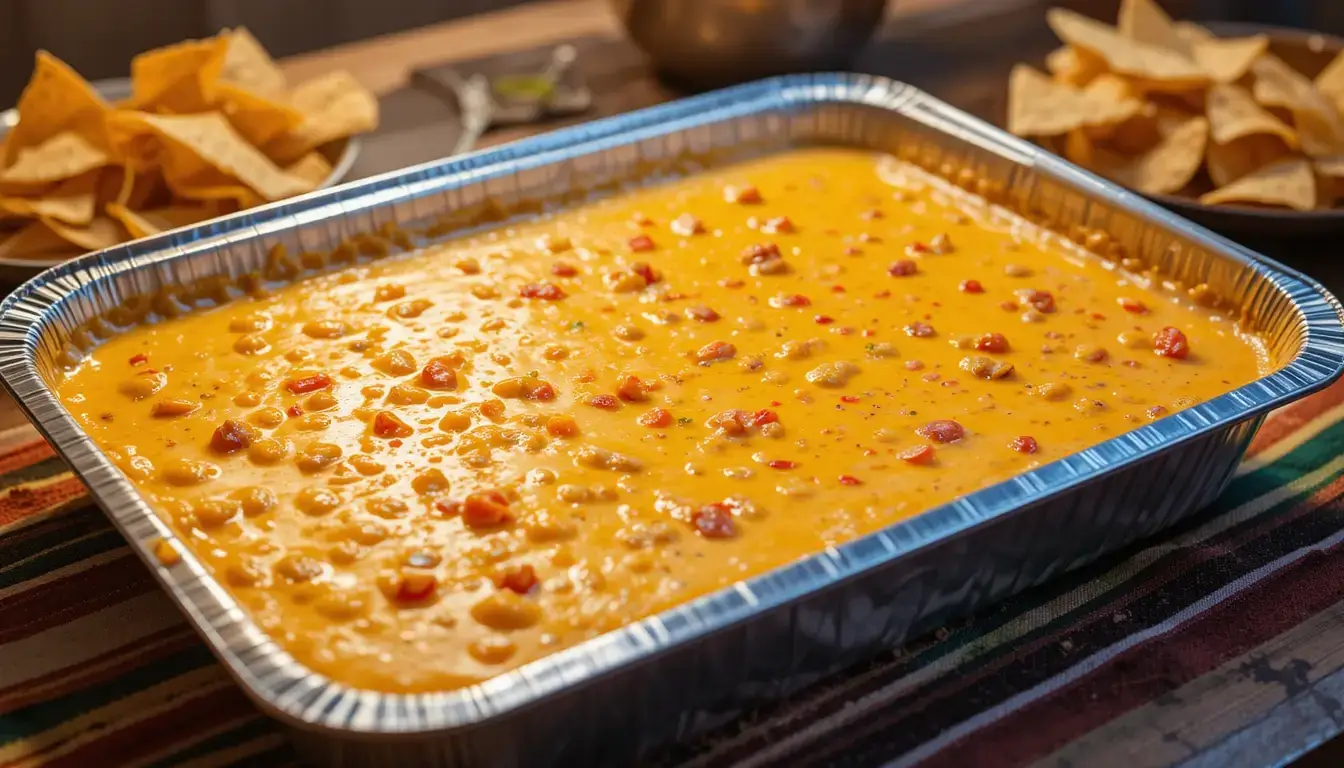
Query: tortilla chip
x=1243, y=156
x=36, y=241
x=1289, y=184
x=257, y=118
x=1158, y=68
x=248, y=66
x=154, y=221
x=72, y=202
x=63, y=156
x=1319, y=127
x=1330, y=166
x=334, y=107
x=56, y=100
x=101, y=232
x=1191, y=32
x=1228, y=60
x=1169, y=165
x=1079, y=148
x=1145, y=22
x=194, y=144
x=1233, y=114
x=312, y=168
x=178, y=79
x=211, y=186
x=1072, y=66
x=1330, y=83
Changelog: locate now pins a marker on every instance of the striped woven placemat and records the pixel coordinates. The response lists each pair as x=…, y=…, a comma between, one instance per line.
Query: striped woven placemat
x=1219, y=644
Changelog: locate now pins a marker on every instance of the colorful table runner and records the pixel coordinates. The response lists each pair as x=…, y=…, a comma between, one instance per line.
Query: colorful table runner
x=1217, y=644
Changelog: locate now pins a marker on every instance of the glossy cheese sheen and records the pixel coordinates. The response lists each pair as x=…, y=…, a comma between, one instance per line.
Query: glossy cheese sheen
x=445, y=465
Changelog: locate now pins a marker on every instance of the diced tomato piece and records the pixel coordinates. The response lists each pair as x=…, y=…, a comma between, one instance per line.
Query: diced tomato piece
x=388, y=424
x=439, y=374
x=795, y=300
x=562, y=425
x=778, y=225
x=1133, y=306
x=520, y=580
x=1170, y=342
x=972, y=286
x=748, y=194
x=543, y=392
x=702, y=313
x=763, y=417
x=782, y=464
x=1024, y=444
x=871, y=214
x=850, y=399
x=992, y=342
x=139, y=359
x=1043, y=301
x=903, y=268
x=823, y=319
x=920, y=330
x=485, y=509
x=942, y=431
x=658, y=418
x=544, y=291
x=561, y=269
x=449, y=507
x=294, y=411
x=646, y=271
x=232, y=436
x=641, y=243
x=715, y=351
x=605, y=402
x=759, y=252
x=918, y=247
x=632, y=390
x=1156, y=412
x=714, y=521
x=850, y=480
x=919, y=454
x=308, y=384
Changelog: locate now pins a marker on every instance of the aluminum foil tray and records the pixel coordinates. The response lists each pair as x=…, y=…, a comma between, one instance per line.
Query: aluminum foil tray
x=615, y=699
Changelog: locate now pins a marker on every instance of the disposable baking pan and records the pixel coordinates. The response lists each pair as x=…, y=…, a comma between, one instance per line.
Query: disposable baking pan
x=615, y=699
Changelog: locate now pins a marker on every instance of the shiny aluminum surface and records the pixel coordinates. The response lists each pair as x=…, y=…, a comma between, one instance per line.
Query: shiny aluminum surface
x=615, y=699
x=708, y=43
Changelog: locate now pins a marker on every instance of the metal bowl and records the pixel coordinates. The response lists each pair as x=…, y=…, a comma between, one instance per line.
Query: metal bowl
x=710, y=43
x=340, y=154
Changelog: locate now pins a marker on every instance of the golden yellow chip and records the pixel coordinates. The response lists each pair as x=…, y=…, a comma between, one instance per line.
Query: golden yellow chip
x=1145, y=22
x=334, y=106
x=1319, y=127
x=1330, y=166
x=248, y=66
x=1169, y=165
x=101, y=232
x=1072, y=66
x=1191, y=32
x=194, y=144
x=36, y=241
x=1240, y=157
x=1330, y=83
x=212, y=186
x=56, y=100
x=1233, y=114
x=156, y=220
x=313, y=168
x=63, y=156
x=71, y=202
x=1228, y=60
x=257, y=118
x=1157, y=68
x=178, y=79
x=1289, y=184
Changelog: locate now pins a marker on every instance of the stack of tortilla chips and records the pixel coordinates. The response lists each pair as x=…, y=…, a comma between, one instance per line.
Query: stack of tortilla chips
x=211, y=127
x=1166, y=108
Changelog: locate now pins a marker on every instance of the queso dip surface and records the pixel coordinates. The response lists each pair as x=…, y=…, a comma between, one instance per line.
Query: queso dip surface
x=423, y=472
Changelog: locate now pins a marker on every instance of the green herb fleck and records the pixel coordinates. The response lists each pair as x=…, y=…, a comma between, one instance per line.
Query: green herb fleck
x=577, y=325
x=684, y=420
